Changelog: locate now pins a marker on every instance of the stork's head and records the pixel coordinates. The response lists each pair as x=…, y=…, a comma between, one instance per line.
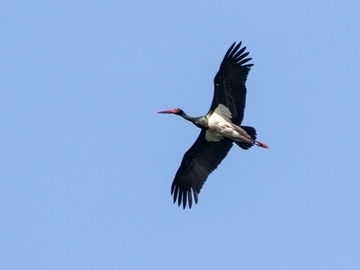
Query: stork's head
x=177, y=111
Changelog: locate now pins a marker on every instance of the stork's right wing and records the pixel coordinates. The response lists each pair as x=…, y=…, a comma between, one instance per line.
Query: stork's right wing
x=199, y=161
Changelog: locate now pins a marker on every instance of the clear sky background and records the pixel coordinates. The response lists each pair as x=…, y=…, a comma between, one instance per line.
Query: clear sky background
x=87, y=164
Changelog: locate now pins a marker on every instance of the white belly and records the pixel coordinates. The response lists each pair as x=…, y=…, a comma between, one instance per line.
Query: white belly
x=220, y=127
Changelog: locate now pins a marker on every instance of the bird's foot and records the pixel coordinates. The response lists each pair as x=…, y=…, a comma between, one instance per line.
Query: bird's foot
x=261, y=144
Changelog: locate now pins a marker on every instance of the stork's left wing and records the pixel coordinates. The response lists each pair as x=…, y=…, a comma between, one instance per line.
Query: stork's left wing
x=229, y=82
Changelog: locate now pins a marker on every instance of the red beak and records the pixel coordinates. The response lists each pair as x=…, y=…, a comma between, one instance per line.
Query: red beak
x=172, y=111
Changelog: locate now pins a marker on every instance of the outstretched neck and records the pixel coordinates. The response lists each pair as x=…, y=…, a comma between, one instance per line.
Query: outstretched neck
x=197, y=121
x=186, y=117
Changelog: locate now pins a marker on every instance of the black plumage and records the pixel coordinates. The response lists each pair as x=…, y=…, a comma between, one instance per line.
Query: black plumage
x=204, y=156
x=229, y=82
x=199, y=161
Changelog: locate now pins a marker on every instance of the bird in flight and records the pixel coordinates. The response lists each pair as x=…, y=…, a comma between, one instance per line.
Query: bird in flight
x=220, y=127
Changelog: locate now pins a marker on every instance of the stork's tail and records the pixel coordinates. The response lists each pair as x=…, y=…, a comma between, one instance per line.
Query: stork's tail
x=252, y=133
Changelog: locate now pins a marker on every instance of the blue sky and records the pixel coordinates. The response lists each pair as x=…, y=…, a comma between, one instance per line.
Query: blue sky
x=87, y=164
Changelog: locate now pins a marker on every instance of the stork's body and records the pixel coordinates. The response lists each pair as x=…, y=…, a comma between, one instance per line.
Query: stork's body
x=220, y=128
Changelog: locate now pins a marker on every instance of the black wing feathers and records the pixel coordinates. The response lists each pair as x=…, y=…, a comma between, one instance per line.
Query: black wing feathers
x=199, y=161
x=230, y=80
x=203, y=157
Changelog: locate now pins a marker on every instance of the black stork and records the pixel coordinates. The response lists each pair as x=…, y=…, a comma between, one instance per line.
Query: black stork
x=220, y=127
